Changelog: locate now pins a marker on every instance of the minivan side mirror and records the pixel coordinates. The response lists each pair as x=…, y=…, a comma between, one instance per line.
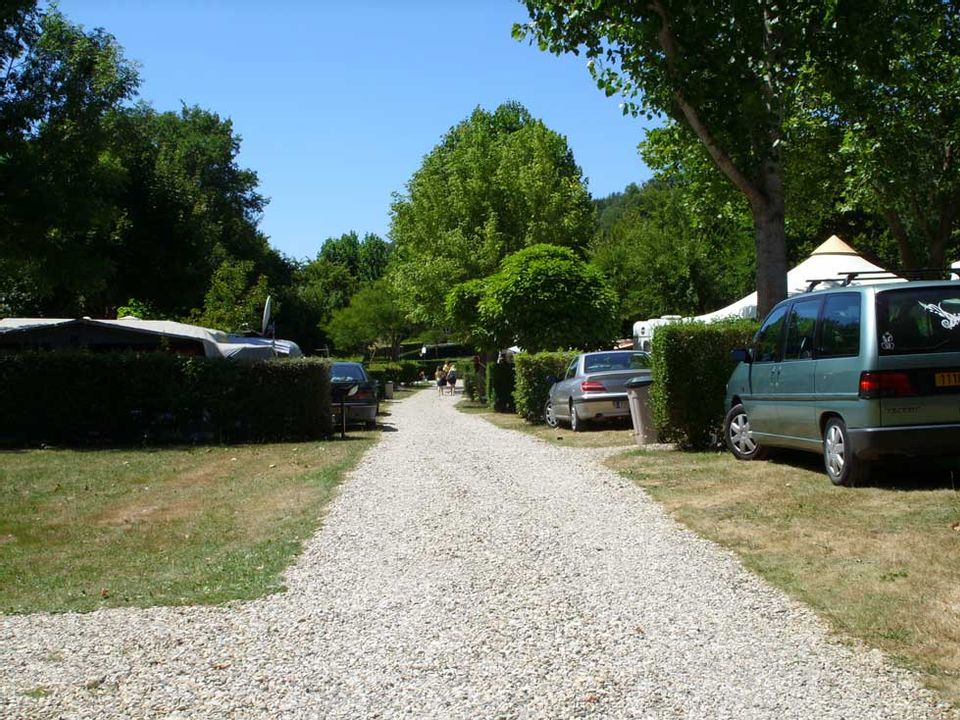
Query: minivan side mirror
x=551, y=379
x=741, y=355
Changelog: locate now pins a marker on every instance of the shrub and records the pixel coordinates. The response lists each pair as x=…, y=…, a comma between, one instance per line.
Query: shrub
x=532, y=387
x=132, y=398
x=405, y=372
x=691, y=365
x=472, y=387
x=500, y=385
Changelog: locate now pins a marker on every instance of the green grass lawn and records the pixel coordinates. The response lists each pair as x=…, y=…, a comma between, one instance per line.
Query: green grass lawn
x=84, y=529
x=879, y=563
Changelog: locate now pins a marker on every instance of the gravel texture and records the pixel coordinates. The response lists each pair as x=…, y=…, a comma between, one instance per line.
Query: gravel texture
x=467, y=572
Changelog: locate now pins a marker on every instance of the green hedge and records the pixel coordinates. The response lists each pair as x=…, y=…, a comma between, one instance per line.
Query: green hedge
x=500, y=385
x=474, y=385
x=532, y=388
x=405, y=372
x=691, y=365
x=131, y=398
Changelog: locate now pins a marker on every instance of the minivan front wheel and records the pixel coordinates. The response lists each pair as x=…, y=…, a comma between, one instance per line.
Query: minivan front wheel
x=736, y=433
x=843, y=467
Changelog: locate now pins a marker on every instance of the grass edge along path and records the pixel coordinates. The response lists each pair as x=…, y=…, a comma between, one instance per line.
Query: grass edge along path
x=84, y=529
x=614, y=433
x=880, y=564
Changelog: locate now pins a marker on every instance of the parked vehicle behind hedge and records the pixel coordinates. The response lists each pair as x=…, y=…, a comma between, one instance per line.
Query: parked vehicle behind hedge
x=353, y=389
x=592, y=389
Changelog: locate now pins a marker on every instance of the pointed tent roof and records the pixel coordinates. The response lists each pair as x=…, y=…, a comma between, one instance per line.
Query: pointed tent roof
x=830, y=259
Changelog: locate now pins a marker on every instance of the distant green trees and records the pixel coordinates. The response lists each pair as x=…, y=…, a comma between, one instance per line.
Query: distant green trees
x=543, y=297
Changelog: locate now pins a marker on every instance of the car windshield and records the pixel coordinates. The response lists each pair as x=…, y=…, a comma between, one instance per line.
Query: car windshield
x=600, y=362
x=920, y=320
x=346, y=372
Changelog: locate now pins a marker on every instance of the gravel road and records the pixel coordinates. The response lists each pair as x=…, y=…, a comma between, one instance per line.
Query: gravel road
x=467, y=572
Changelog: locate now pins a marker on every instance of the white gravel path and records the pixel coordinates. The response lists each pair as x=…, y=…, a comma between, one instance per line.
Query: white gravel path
x=467, y=572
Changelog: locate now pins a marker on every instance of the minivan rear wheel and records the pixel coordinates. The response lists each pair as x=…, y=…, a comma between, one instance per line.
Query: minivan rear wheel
x=843, y=467
x=736, y=433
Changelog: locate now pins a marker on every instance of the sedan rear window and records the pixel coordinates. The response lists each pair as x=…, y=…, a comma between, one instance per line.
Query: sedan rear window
x=600, y=362
x=344, y=372
x=919, y=320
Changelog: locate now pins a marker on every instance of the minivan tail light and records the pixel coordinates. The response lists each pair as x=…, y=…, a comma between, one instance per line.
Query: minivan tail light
x=592, y=386
x=885, y=385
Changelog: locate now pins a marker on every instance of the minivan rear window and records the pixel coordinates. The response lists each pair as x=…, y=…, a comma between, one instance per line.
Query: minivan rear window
x=919, y=320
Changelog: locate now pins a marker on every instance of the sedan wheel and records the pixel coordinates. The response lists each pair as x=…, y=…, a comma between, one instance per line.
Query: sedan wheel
x=843, y=467
x=738, y=436
x=576, y=424
x=549, y=415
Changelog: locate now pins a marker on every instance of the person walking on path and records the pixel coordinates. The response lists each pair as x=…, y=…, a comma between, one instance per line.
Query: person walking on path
x=510, y=579
x=441, y=377
x=452, y=378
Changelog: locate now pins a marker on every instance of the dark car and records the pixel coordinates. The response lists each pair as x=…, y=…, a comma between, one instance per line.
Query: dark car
x=593, y=388
x=361, y=404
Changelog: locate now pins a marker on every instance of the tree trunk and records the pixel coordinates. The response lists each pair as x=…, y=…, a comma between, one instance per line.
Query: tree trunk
x=771, y=245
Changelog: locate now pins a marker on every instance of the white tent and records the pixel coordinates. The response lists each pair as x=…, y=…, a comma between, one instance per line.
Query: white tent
x=832, y=259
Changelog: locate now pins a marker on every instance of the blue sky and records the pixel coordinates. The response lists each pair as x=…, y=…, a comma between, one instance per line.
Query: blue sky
x=337, y=103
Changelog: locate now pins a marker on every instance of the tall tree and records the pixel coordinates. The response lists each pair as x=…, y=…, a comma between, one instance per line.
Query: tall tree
x=187, y=206
x=727, y=70
x=57, y=221
x=497, y=182
x=372, y=320
x=890, y=72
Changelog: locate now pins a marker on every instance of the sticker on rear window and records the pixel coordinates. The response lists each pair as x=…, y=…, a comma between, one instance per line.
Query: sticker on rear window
x=886, y=341
x=950, y=320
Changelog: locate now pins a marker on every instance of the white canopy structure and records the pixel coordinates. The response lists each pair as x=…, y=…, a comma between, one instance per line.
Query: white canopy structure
x=832, y=259
x=831, y=262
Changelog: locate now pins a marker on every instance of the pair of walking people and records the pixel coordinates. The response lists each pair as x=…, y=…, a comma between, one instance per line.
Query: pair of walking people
x=446, y=376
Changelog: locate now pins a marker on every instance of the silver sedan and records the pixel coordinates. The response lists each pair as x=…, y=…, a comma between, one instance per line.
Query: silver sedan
x=593, y=388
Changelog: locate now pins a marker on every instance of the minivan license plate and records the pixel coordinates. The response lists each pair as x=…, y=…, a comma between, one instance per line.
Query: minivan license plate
x=947, y=379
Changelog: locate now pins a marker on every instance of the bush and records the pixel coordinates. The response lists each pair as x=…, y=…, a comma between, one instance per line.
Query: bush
x=405, y=372
x=500, y=385
x=131, y=398
x=532, y=388
x=474, y=383
x=691, y=365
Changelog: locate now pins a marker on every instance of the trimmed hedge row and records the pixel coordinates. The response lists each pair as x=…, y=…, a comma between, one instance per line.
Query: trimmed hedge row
x=405, y=372
x=500, y=385
x=691, y=365
x=134, y=398
x=532, y=388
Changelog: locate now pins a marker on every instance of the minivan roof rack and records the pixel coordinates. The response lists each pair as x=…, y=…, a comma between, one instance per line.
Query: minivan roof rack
x=849, y=276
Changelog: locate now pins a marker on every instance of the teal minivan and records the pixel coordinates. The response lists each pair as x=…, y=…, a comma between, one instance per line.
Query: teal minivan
x=856, y=373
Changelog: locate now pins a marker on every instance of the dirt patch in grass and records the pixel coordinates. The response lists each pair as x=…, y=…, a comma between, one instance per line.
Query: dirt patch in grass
x=879, y=563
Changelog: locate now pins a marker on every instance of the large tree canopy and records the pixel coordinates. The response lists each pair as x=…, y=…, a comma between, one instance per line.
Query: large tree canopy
x=890, y=75
x=60, y=86
x=499, y=181
x=727, y=70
